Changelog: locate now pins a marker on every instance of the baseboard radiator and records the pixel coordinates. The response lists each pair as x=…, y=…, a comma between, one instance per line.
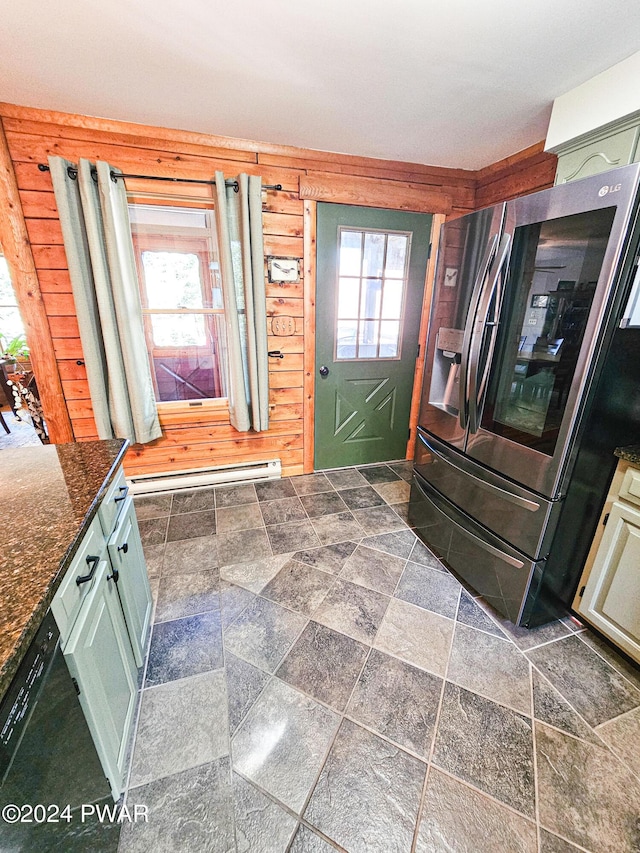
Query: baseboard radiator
x=201, y=478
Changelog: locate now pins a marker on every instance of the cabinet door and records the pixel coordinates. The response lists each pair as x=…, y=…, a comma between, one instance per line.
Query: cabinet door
x=127, y=557
x=599, y=156
x=70, y=596
x=611, y=599
x=99, y=657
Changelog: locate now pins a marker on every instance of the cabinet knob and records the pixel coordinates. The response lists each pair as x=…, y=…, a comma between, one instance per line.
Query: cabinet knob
x=114, y=576
x=124, y=548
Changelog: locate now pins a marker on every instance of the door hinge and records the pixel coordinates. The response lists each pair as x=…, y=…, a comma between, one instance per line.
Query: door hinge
x=75, y=684
x=418, y=352
x=409, y=433
x=605, y=519
x=581, y=593
x=429, y=252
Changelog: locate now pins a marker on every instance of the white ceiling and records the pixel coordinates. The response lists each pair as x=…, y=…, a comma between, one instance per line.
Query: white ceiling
x=457, y=83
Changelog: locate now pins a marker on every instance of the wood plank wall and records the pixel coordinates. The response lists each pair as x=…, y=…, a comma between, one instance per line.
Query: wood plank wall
x=207, y=438
x=525, y=172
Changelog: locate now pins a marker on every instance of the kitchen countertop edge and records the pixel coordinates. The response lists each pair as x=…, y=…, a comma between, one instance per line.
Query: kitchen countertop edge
x=11, y=664
x=631, y=453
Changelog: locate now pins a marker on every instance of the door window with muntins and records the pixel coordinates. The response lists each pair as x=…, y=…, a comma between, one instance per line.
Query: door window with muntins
x=372, y=281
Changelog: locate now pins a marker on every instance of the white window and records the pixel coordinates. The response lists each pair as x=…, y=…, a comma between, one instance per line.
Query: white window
x=373, y=272
x=178, y=269
x=11, y=326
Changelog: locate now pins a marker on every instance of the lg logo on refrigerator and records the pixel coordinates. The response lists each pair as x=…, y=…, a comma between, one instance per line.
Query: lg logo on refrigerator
x=604, y=190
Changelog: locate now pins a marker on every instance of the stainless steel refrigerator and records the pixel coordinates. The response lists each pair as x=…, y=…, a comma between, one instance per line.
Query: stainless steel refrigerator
x=532, y=378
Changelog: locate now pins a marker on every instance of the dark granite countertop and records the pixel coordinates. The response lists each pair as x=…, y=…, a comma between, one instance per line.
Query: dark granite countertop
x=631, y=453
x=50, y=494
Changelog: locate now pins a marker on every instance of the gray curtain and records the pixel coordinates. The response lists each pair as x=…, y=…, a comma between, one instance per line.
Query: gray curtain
x=240, y=244
x=97, y=239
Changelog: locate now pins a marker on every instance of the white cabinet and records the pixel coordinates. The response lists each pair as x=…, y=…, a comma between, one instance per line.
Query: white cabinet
x=70, y=595
x=610, y=598
x=127, y=560
x=609, y=147
x=103, y=611
x=100, y=659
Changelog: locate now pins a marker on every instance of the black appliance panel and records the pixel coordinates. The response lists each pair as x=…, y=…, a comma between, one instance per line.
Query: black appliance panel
x=515, y=514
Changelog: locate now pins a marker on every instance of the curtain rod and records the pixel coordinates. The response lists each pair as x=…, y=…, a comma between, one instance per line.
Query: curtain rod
x=73, y=174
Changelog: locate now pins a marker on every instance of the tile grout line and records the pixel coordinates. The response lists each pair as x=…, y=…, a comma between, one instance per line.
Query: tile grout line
x=273, y=799
x=492, y=699
x=536, y=793
x=546, y=643
x=434, y=736
x=136, y=724
x=196, y=613
x=615, y=719
x=602, y=743
x=564, y=838
x=602, y=657
x=342, y=717
x=567, y=701
x=487, y=796
x=228, y=726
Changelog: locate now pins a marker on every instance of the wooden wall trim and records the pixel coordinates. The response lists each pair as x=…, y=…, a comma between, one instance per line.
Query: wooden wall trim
x=436, y=225
x=152, y=134
x=310, y=213
x=513, y=161
x=16, y=246
x=525, y=172
x=371, y=192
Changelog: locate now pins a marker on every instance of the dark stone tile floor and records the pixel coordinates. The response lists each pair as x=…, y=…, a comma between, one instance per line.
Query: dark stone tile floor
x=318, y=681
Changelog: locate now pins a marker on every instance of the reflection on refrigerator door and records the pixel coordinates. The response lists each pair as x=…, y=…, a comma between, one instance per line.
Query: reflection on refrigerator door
x=466, y=252
x=545, y=319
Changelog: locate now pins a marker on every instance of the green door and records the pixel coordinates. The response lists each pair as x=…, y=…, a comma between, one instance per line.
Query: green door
x=371, y=271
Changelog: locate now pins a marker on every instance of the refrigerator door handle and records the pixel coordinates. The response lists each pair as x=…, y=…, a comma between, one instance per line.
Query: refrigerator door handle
x=485, y=266
x=491, y=549
x=476, y=384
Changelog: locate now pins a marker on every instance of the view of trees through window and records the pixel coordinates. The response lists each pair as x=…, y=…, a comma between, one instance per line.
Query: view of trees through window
x=11, y=326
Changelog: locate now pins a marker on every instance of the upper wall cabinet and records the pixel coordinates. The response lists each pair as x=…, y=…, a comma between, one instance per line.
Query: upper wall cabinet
x=606, y=148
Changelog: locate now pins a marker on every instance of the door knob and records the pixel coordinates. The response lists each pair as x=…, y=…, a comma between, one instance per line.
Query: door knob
x=324, y=371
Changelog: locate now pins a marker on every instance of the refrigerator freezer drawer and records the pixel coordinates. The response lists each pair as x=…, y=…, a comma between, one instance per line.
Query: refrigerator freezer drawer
x=501, y=574
x=512, y=512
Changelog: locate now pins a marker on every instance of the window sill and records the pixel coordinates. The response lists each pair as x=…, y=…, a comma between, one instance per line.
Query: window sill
x=212, y=410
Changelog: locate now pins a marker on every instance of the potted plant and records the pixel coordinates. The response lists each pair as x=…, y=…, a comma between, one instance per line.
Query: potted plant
x=13, y=350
